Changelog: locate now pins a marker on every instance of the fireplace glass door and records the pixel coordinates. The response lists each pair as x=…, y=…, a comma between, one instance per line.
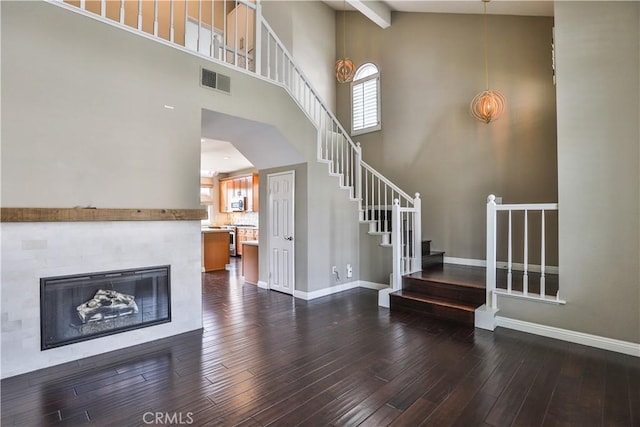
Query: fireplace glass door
x=85, y=306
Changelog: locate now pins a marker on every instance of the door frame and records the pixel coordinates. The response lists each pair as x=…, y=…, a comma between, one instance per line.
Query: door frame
x=291, y=172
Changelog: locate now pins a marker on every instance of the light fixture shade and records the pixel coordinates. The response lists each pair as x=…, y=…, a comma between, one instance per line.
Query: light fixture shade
x=487, y=106
x=344, y=70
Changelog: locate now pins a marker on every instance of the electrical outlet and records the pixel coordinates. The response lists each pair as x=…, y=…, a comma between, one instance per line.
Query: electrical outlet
x=334, y=269
x=349, y=270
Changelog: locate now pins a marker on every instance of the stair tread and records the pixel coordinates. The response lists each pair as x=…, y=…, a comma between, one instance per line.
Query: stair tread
x=432, y=300
x=452, y=274
x=433, y=253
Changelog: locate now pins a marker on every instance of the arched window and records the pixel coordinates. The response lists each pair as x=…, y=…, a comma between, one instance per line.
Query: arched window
x=365, y=100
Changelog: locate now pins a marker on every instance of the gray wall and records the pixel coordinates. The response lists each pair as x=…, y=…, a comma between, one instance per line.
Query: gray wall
x=326, y=228
x=598, y=58
x=333, y=224
x=307, y=29
x=431, y=66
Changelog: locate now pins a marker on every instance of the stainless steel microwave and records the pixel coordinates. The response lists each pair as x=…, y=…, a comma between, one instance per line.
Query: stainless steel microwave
x=237, y=204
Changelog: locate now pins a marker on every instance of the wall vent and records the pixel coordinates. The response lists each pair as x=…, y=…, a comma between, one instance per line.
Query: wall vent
x=214, y=80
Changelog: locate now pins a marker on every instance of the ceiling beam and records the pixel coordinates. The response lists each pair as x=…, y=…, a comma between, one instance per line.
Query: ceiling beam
x=376, y=10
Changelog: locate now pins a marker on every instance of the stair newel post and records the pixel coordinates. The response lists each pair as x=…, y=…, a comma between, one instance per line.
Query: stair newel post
x=396, y=241
x=258, y=42
x=491, y=252
x=358, y=174
x=417, y=234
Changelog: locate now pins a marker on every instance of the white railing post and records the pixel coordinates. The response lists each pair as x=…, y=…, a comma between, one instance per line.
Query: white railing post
x=258, y=42
x=172, y=29
x=396, y=242
x=525, y=276
x=139, y=14
x=359, y=180
x=491, y=252
x=155, y=18
x=542, y=257
x=122, y=12
x=417, y=234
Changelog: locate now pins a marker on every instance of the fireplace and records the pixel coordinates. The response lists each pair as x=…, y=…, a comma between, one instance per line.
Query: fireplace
x=86, y=306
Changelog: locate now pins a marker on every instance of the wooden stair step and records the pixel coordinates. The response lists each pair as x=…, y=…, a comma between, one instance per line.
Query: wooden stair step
x=459, y=275
x=431, y=259
x=413, y=302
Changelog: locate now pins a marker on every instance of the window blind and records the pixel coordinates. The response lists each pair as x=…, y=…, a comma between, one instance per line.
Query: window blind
x=365, y=104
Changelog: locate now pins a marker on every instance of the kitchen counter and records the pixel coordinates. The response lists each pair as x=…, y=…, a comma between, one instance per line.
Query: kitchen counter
x=214, y=230
x=215, y=249
x=250, y=261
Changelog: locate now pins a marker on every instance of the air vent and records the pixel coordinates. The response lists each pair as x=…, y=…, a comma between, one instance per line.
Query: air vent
x=214, y=80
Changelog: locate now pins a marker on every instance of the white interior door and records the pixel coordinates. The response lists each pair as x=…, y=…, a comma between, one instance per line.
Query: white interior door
x=280, y=229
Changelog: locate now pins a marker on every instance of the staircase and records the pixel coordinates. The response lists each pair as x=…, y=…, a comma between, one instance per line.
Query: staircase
x=443, y=291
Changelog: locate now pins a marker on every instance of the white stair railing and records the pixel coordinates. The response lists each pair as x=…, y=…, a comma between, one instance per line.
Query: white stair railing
x=247, y=42
x=492, y=263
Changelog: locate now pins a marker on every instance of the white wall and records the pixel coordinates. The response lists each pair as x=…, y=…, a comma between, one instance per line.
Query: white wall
x=598, y=98
x=31, y=251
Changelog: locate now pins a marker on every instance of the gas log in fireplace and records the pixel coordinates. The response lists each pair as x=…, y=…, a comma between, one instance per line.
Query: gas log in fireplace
x=85, y=306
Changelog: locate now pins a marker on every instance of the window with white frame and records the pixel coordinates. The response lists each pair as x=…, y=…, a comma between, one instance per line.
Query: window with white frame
x=365, y=100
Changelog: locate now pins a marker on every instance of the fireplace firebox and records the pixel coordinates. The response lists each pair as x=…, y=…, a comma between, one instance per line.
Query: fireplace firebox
x=85, y=306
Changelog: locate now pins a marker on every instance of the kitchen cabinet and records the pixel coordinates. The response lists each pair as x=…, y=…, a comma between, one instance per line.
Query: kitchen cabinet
x=244, y=234
x=255, y=202
x=215, y=249
x=239, y=186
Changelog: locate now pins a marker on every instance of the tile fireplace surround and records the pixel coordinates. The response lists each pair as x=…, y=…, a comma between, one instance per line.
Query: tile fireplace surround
x=32, y=250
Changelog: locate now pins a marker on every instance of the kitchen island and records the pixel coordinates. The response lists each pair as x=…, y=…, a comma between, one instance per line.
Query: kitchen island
x=250, y=261
x=215, y=249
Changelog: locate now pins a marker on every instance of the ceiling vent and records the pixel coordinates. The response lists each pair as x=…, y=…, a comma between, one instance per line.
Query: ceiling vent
x=214, y=80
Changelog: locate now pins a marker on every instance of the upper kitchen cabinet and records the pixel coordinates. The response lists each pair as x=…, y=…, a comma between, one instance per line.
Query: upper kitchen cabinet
x=245, y=186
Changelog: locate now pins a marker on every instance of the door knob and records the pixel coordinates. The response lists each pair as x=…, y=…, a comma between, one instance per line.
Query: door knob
x=288, y=238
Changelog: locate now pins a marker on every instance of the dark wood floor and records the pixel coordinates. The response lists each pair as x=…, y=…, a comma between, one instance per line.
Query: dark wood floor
x=267, y=359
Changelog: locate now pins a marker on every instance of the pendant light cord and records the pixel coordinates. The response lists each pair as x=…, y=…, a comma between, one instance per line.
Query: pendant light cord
x=344, y=28
x=486, y=44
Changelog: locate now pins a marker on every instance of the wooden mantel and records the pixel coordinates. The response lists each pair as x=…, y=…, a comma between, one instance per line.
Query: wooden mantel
x=98, y=214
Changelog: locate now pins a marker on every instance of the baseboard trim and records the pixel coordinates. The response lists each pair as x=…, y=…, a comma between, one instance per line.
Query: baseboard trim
x=338, y=288
x=516, y=266
x=372, y=285
x=263, y=285
x=596, y=341
x=465, y=261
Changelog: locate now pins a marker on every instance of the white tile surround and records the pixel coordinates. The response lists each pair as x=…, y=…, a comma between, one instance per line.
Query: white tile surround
x=33, y=250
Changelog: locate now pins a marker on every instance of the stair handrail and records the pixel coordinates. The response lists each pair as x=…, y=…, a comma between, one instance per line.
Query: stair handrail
x=304, y=78
x=390, y=184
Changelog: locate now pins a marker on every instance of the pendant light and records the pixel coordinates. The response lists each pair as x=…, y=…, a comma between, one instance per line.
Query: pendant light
x=488, y=105
x=344, y=66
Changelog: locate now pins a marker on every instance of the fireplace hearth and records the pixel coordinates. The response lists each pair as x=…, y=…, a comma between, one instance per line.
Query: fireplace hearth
x=85, y=306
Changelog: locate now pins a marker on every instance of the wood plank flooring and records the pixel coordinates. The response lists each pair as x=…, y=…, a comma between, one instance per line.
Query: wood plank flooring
x=265, y=359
